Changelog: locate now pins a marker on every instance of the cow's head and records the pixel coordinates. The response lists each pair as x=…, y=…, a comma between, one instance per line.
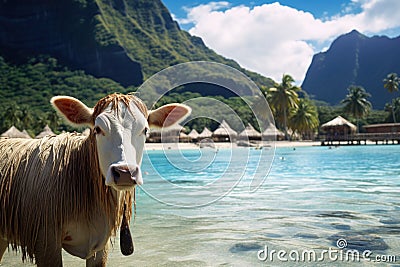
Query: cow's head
x=120, y=124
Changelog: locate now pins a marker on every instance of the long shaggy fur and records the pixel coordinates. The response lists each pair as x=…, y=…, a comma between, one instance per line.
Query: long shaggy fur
x=116, y=98
x=47, y=182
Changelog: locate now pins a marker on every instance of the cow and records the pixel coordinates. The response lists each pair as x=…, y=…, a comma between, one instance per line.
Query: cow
x=74, y=191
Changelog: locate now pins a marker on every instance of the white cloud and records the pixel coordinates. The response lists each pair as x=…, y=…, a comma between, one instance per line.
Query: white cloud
x=274, y=39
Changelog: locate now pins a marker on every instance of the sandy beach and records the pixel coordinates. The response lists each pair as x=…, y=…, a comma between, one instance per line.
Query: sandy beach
x=225, y=145
x=297, y=143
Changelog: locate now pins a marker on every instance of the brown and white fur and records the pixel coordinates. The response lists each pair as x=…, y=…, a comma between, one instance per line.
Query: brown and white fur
x=69, y=191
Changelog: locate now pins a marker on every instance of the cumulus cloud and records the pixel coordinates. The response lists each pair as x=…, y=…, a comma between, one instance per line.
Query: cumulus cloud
x=274, y=39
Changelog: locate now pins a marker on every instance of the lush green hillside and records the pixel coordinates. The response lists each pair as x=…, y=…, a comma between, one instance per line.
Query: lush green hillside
x=150, y=36
x=26, y=90
x=354, y=59
x=36, y=82
x=125, y=40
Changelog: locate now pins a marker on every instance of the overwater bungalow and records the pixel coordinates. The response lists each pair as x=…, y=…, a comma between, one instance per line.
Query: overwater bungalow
x=383, y=128
x=338, y=129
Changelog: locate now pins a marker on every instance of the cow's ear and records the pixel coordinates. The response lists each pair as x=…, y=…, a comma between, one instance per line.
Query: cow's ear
x=168, y=115
x=74, y=111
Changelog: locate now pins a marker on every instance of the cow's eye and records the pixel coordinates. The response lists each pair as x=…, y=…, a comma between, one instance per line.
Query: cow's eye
x=97, y=130
x=146, y=131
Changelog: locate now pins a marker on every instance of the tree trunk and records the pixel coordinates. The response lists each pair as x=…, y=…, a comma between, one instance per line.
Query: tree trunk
x=285, y=121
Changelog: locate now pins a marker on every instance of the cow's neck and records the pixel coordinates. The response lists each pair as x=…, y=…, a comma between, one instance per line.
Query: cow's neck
x=112, y=200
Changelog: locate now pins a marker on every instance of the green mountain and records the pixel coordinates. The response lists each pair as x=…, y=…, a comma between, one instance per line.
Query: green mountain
x=124, y=40
x=354, y=59
x=89, y=48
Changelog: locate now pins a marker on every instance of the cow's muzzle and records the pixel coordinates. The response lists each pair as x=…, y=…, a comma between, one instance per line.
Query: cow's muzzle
x=125, y=175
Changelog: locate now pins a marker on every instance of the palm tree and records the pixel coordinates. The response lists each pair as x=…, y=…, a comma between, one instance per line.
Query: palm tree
x=356, y=103
x=391, y=83
x=27, y=119
x=260, y=105
x=393, y=108
x=304, y=119
x=283, y=98
x=53, y=120
x=12, y=116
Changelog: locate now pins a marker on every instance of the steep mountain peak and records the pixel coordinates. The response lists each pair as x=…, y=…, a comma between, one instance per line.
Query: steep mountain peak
x=353, y=59
x=354, y=33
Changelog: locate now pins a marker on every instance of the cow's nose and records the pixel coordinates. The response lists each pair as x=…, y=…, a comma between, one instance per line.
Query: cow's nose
x=124, y=176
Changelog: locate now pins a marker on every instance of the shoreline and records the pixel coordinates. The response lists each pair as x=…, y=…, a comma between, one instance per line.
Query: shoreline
x=224, y=145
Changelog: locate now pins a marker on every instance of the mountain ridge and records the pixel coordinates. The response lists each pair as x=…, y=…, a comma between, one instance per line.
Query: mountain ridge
x=125, y=40
x=353, y=59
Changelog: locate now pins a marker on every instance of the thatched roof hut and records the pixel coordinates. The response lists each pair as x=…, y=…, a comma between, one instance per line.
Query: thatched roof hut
x=339, y=126
x=13, y=132
x=184, y=137
x=166, y=135
x=46, y=131
x=272, y=133
x=193, y=135
x=224, y=133
x=250, y=133
x=26, y=134
x=206, y=133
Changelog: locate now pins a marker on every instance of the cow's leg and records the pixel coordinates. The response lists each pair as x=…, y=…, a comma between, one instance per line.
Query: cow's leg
x=3, y=247
x=48, y=249
x=98, y=260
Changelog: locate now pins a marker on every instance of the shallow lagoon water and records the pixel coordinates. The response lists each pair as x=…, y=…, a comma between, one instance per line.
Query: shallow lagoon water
x=312, y=197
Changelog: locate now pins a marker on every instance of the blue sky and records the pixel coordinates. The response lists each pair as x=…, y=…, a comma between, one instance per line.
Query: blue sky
x=273, y=38
x=320, y=8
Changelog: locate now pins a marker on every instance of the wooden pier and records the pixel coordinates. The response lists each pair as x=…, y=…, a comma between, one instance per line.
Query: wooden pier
x=362, y=139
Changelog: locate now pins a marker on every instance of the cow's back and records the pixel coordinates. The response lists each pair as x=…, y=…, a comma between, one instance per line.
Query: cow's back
x=33, y=187
x=18, y=157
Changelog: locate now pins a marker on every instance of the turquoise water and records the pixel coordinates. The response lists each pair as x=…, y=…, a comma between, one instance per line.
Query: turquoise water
x=312, y=197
